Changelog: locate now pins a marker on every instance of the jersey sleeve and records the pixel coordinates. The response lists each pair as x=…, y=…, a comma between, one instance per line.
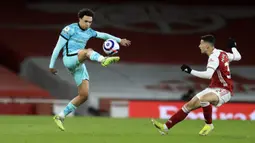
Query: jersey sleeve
x=60, y=44
x=235, y=56
x=213, y=62
x=230, y=57
x=203, y=74
x=106, y=36
x=67, y=32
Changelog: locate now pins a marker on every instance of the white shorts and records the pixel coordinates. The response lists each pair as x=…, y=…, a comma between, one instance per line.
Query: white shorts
x=223, y=94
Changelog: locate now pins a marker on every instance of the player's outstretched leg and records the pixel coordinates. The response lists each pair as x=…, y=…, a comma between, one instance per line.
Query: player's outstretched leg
x=95, y=56
x=83, y=88
x=177, y=117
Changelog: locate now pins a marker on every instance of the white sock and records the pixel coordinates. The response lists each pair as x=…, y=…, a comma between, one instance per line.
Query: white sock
x=61, y=114
x=101, y=58
x=165, y=127
x=95, y=56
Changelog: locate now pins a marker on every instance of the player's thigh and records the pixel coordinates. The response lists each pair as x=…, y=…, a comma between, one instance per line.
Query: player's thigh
x=223, y=96
x=84, y=54
x=202, y=93
x=193, y=104
x=71, y=62
x=80, y=74
x=207, y=95
x=210, y=97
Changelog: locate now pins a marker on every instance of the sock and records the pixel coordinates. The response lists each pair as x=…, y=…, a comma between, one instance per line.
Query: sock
x=95, y=56
x=207, y=110
x=177, y=117
x=67, y=110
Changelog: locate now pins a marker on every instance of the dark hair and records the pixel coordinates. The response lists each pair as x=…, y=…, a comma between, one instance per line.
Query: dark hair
x=87, y=12
x=209, y=38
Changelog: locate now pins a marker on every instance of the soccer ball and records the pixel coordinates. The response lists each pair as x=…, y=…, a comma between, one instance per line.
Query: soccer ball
x=111, y=47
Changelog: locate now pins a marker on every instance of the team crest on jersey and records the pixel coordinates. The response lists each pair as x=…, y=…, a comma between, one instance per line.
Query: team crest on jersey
x=66, y=29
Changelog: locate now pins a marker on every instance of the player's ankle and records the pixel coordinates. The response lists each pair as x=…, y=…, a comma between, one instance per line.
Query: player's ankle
x=101, y=59
x=165, y=127
x=209, y=124
x=61, y=114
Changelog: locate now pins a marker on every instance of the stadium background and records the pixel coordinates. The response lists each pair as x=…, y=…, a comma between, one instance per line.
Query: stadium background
x=164, y=35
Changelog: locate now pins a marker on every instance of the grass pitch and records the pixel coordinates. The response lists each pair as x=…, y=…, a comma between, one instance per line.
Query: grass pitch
x=40, y=129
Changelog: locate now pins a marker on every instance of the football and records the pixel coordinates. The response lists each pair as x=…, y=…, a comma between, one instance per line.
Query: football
x=111, y=47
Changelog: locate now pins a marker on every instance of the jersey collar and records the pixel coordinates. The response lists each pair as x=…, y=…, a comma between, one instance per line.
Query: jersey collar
x=80, y=27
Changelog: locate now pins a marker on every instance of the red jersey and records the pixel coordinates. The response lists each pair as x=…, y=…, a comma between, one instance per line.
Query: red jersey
x=219, y=61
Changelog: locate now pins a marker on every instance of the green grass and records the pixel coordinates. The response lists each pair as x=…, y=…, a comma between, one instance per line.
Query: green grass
x=38, y=129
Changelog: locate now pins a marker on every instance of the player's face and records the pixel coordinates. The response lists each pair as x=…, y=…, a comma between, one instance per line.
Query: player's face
x=85, y=22
x=203, y=46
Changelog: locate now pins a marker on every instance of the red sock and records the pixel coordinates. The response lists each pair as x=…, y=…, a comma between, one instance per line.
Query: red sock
x=208, y=114
x=176, y=118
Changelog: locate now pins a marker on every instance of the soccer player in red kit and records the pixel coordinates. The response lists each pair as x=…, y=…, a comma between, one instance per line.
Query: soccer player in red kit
x=219, y=91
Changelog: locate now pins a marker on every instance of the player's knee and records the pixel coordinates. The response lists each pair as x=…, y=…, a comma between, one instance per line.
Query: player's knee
x=89, y=49
x=88, y=52
x=84, y=95
x=82, y=52
x=187, y=106
x=204, y=99
x=191, y=105
x=85, y=52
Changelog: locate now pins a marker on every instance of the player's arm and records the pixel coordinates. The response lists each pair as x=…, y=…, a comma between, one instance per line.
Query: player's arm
x=203, y=74
x=212, y=65
x=60, y=44
x=235, y=55
x=105, y=36
x=66, y=33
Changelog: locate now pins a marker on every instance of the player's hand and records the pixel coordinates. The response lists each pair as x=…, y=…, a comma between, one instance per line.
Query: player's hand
x=231, y=43
x=53, y=71
x=186, y=68
x=125, y=42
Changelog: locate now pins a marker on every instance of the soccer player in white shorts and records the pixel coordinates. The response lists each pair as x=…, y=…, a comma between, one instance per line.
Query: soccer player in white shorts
x=219, y=91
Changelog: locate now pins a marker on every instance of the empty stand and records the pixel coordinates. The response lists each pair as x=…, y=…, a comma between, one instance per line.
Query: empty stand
x=13, y=87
